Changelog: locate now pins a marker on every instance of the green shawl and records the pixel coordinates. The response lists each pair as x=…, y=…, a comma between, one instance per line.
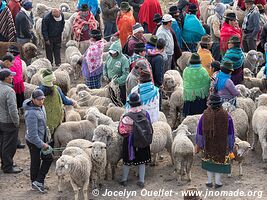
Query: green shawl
x=196, y=82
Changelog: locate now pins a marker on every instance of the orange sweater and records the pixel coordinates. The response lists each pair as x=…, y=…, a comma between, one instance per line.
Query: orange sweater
x=206, y=59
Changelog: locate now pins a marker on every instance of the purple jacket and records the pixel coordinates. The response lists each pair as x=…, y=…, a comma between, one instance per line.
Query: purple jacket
x=229, y=91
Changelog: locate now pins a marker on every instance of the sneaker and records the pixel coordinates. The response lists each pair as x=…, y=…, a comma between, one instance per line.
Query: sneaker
x=218, y=186
x=123, y=183
x=210, y=185
x=38, y=186
x=141, y=184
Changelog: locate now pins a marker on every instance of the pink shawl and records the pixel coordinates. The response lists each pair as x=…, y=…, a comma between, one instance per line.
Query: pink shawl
x=18, y=78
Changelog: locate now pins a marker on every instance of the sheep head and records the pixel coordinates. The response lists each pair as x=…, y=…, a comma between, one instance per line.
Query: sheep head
x=255, y=92
x=81, y=87
x=66, y=67
x=241, y=148
x=260, y=57
x=62, y=165
x=248, y=73
x=84, y=96
x=64, y=7
x=228, y=107
x=29, y=50
x=98, y=150
x=102, y=133
x=93, y=111
x=169, y=82
x=75, y=59
x=72, y=43
x=261, y=100
x=245, y=92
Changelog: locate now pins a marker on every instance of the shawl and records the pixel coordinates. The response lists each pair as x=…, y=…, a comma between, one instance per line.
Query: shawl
x=146, y=14
x=79, y=23
x=227, y=32
x=206, y=59
x=18, y=78
x=236, y=56
x=220, y=80
x=7, y=27
x=215, y=133
x=92, y=4
x=125, y=22
x=93, y=57
x=14, y=8
x=196, y=82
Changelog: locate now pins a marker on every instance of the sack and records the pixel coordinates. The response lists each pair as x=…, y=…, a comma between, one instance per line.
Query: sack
x=142, y=129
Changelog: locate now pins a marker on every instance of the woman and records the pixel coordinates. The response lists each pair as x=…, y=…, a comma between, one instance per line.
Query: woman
x=224, y=86
x=196, y=87
x=236, y=56
x=215, y=137
x=36, y=139
x=133, y=155
x=83, y=23
x=92, y=66
x=215, y=67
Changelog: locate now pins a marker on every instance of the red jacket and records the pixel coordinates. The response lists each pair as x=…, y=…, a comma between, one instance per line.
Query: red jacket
x=14, y=7
x=196, y=3
x=241, y=3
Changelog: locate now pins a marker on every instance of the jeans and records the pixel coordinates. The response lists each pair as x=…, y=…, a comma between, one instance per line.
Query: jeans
x=8, y=144
x=249, y=43
x=38, y=169
x=167, y=63
x=109, y=29
x=53, y=49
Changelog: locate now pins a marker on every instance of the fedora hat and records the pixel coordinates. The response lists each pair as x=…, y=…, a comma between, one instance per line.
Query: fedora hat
x=195, y=59
x=231, y=16
x=227, y=65
x=95, y=33
x=157, y=18
x=145, y=76
x=134, y=100
x=84, y=7
x=153, y=40
x=192, y=7
x=206, y=39
x=173, y=10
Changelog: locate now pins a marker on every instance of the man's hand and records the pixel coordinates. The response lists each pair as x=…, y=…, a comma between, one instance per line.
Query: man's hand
x=45, y=146
x=47, y=42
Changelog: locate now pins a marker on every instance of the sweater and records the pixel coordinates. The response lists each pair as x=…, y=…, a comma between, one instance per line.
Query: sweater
x=156, y=61
x=251, y=23
x=229, y=91
x=166, y=34
x=24, y=25
x=109, y=10
x=206, y=59
x=8, y=104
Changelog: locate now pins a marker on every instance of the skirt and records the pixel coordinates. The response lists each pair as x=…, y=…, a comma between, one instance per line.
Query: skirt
x=216, y=168
x=20, y=99
x=142, y=155
x=94, y=82
x=194, y=107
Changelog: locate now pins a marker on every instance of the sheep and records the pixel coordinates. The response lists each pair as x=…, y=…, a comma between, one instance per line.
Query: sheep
x=82, y=111
x=247, y=105
x=248, y=73
x=71, y=114
x=182, y=153
x=38, y=31
x=176, y=104
x=29, y=51
x=40, y=63
x=86, y=99
x=245, y=92
x=83, y=144
x=29, y=88
x=254, y=93
x=255, y=82
x=259, y=121
x=162, y=117
x=183, y=61
x=41, y=10
x=113, y=141
x=102, y=119
x=260, y=74
x=68, y=131
x=67, y=31
x=115, y=113
x=78, y=168
x=63, y=77
x=172, y=79
x=253, y=60
x=64, y=7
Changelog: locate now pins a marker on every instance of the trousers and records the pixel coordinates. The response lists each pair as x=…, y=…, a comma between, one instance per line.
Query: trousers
x=53, y=49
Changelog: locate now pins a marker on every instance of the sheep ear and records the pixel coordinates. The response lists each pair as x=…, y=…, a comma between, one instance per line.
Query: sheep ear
x=66, y=166
x=90, y=147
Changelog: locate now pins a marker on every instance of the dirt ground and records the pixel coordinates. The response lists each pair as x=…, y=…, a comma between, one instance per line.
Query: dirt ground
x=160, y=182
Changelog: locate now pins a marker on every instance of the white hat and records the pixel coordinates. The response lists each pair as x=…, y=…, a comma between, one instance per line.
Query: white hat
x=112, y=51
x=167, y=18
x=137, y=28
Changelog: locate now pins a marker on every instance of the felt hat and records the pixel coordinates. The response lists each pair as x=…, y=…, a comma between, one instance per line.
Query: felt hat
x=173, y=10
x=47, y=77
x=84, y=7
x=125, y=6
x=145, y=76
x=153, y=40
x=140, y=46
x=134, y=100
x=206, y=39
x=215, y=100
x=27, y=4
x=227, y=65
x=13, y=49
x=167, y=18
x=192, y=7
x=231, y=16
x=38, y=94
x=220, y=8
x=195, y=59
x=182, y=3
x=249, y=1
x=137, y=28
x=234, y=39
x=260, y=7
x=95, y=33
x=4, y=73
x=216, y=65
x=157, y=18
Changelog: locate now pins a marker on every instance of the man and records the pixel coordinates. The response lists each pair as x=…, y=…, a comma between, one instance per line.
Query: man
x=9, y=122
x=109, y=9
x=182, y=6
x=136, y=37
x=173, y=11
x=250, y=26
x=14, y=7
x=7, y=27
x=164, y=32
x=7, y=61
x=136, y=4
x=52, y=28
x=24, y=24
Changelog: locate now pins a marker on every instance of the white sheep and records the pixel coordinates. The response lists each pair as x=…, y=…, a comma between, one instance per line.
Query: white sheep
x=29, y=88
x=255, y=82
x=255, y=92
x=183, y=61
x=182, y=153
x=260, y=74
x=253, y=60
x=67, y=31
x=162, y=117
x=71, y=114
x=64, y=7
x=248, y=73
x=248, y=105
x=40, y=63
x=86, y=99
x=41, y=10
x=115, y=113
x=176, y=104
x=245, y=92
x=259, y=121
x=38, y=32
x=83, y=144
x=101, y=118
x=172, y=79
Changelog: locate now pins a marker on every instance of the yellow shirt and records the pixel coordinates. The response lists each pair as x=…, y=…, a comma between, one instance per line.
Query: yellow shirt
x=206, y=59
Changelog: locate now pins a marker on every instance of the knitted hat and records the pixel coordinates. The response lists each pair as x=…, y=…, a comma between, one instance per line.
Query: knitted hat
x=206, y=39
x=140, y=46
x=231, y=16
x=47, y=77
x=234, y=39
x=173, y=10
x=192, y=8
x=227, y=65
x=260, y=7
x=215, y=100
x=84, y=7
x=182, y=3
x=145, y=76
x=216, y=65
x=95, y=33
x=13, y=49
x=134, y=100
x=220, y=8
x=195, y=59
x=125, y=6
x=153, y=40
x=38, y=94
x=249, y=1
x=141, y=64
x=137, y=28
x=27, y=4
x=157, y=18
x=4, y=73
x=167, y=18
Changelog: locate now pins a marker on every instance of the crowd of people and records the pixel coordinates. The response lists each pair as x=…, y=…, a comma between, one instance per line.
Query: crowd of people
x=137, y=66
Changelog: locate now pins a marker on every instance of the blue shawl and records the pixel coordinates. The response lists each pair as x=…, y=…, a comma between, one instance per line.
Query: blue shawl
x=236, y=56
x=148, y=92
x=220, y=80
x=92, y=4
x=3, y=6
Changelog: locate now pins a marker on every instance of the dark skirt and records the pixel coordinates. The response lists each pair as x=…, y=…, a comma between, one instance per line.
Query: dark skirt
x=20, y=99
x=142, y=155
x=216, y=168
x=237, y=76
x=94, y=82
x=194, y=107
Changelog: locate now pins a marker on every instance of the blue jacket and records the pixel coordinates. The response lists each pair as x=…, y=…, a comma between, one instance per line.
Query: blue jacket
x=35, y=123
x=92, y=4
x=175, y=27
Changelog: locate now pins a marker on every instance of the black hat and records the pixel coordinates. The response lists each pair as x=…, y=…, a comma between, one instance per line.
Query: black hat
x=249, y=1
x=134, y=100
x=216, y=65
x=192, y=7
x=206, y=39
x=95, y=33
x=157, y=18
x=6, y=73
x=84, y=7
x=13, y=49
x=153, y=40
x=140, y=46
x=125, y=6
x=145, y=76
x=215, y=100
x=234, y=39
x=38, y=94
x=182, y=3
x=173, y=10
x=227, y=65
x=231, y=16
x=195, y=59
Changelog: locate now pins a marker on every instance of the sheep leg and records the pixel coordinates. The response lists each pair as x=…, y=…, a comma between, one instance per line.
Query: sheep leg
x=153, y=159
x=188, y=169
x=179, y=172
x=113, y=167
x=85, y=189
x=255, y=141
x=60, y=183
x=240, y=169
x=75, y=189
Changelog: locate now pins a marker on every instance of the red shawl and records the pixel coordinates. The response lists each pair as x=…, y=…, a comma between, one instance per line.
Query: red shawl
x=147, y=11
x=18, y=78
x=79, y=22
x=14, y=8
x=228, y=31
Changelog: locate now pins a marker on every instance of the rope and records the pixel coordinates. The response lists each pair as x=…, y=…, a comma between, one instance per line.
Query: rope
x=50, y=150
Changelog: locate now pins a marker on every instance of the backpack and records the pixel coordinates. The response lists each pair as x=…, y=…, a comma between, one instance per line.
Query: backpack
x=142, y=129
